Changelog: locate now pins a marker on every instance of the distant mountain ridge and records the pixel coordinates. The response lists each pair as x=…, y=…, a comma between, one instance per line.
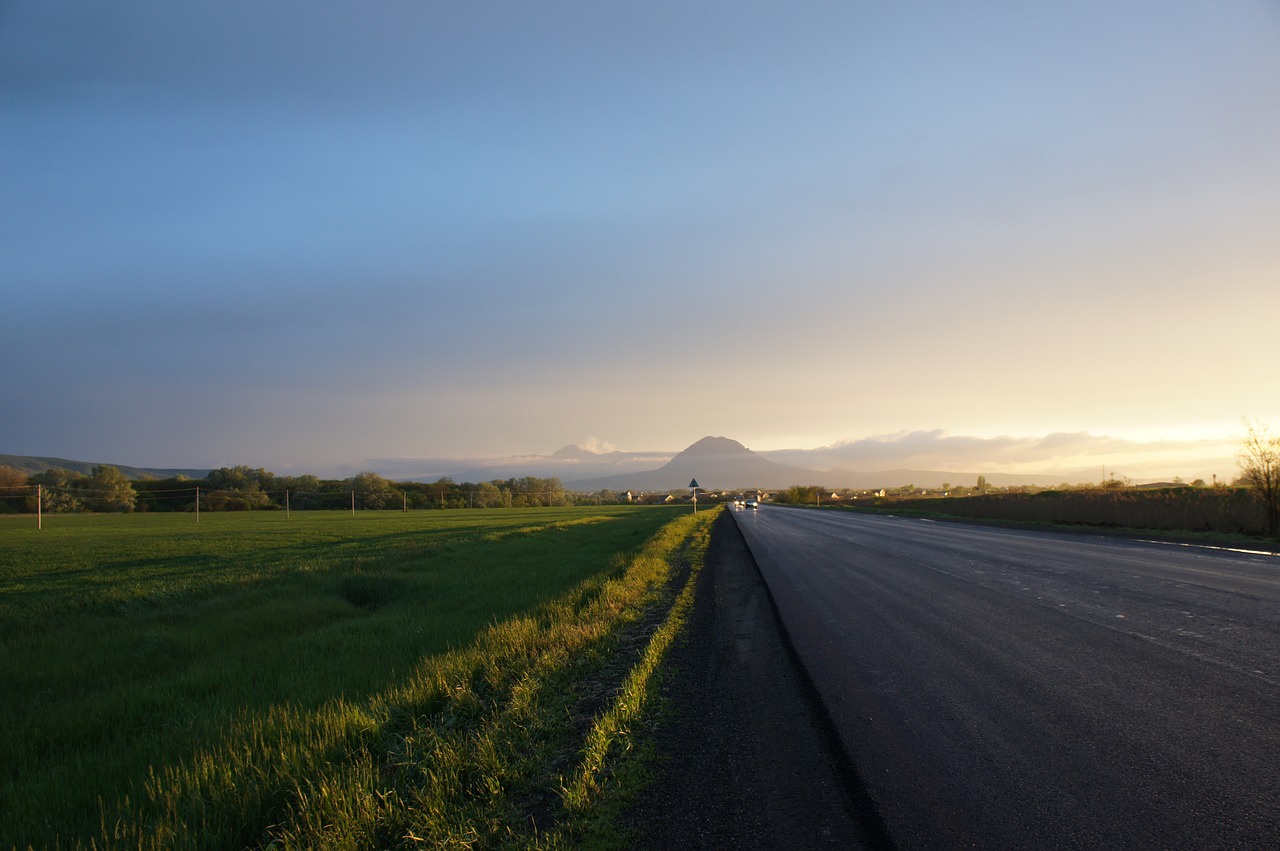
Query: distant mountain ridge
x=718, y=463
x=921, y=459
x=32, y=464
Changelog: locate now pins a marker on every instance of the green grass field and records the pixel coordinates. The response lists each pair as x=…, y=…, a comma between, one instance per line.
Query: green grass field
x=169, y=683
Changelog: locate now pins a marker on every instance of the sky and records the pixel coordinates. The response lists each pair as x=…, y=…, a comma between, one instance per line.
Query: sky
x=309, y=235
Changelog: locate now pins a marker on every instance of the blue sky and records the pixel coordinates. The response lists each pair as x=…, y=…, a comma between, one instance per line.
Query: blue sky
x=301, y=235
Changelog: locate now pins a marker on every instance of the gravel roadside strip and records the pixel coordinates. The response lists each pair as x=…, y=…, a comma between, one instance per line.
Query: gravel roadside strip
x=747, y=756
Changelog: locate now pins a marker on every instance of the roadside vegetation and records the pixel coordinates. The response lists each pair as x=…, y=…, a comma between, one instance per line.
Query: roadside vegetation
x=1259, y=458
x=426, y=679
x=1223, y=513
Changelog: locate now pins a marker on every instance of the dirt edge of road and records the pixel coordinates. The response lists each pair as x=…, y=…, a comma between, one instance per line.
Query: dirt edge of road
x=748, y=757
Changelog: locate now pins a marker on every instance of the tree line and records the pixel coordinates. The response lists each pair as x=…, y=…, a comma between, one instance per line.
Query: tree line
x=243, y=488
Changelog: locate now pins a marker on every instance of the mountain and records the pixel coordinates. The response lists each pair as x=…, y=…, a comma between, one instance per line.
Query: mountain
x=716, y=462
x=31, y=464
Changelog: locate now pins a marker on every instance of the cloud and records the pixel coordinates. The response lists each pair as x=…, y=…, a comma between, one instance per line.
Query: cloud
x=1068, y=455
x=908, y=445
x=598, y=446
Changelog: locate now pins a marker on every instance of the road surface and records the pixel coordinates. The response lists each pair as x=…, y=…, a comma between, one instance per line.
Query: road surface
x=1008, y=689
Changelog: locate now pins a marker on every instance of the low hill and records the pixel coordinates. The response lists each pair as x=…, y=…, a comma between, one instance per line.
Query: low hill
x=31, y=464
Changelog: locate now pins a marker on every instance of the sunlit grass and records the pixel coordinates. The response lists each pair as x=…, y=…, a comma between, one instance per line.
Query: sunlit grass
x=612, y=733
x=210, y=686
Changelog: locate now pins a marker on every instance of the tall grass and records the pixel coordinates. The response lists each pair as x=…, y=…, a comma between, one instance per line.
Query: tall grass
x=254, y=681
x=611, y=733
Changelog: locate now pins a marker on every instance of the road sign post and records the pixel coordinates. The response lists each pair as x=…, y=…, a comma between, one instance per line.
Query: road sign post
x=694, y=484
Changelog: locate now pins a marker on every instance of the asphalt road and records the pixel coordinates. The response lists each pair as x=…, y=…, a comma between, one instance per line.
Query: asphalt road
x=1009, y=689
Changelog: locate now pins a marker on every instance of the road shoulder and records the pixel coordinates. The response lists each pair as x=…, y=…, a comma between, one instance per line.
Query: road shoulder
x=746, y=756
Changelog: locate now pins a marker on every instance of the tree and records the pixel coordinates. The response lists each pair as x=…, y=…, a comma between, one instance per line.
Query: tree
x=489, y=495
x=1259, y=459
x=373, y=490
x=799, y=495
x=240, y=478
x=112, y=490
x=529, y=488
x=12, y=477
x=238, y=488
x=60, y=489
x=13, y=489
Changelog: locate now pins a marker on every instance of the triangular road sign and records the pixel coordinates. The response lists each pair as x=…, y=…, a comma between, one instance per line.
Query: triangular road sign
x=694, y=484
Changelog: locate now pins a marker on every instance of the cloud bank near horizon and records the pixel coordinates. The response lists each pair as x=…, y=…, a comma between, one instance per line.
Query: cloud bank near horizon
x=1074, y=457
x=1072, y=454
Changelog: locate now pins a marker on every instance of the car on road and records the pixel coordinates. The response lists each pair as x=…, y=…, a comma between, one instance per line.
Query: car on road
x=751, y=503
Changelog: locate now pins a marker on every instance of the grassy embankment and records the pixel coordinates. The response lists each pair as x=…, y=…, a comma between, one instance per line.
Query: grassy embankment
x=387, y=680
x=1225, y=515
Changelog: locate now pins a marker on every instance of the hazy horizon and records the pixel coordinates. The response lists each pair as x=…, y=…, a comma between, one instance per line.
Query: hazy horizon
x=1046, y=460
x=313, y=235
